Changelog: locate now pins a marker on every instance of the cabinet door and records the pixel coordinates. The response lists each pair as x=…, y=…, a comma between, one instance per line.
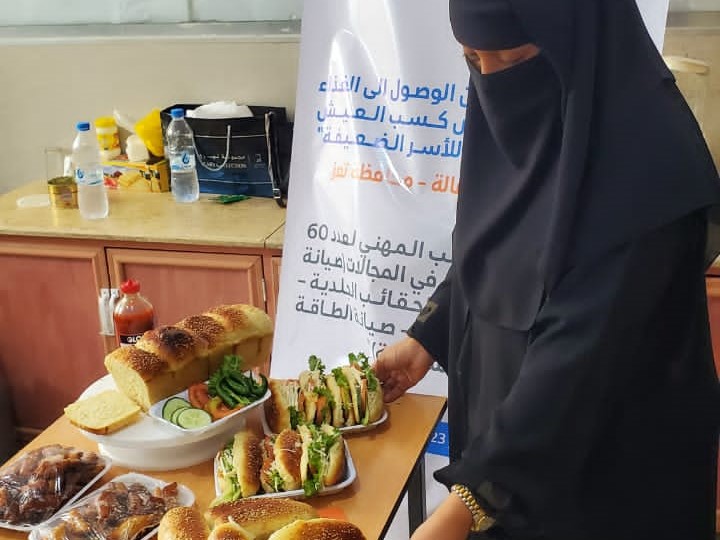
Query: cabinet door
x=179, y=284
x=273, y=284
x=713, y=298
x=50, y=343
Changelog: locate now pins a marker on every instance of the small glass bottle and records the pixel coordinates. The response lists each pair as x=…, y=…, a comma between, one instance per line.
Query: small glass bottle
x=133, y=315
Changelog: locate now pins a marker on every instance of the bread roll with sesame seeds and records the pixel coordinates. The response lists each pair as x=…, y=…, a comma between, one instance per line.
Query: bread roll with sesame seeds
x=319, y=529
x=183, y=523
x=260, y=517
x=169, y=359
x=230, y=531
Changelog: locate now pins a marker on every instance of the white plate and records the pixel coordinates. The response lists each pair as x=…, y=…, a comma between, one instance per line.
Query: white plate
x=212, y=429
x=106, y=468
x=350, y=475
x=185, y=498
x=358, y=428
x=151, y=432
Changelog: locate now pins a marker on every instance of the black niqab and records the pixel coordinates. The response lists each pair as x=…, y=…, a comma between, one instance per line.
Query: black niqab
x=568, y=154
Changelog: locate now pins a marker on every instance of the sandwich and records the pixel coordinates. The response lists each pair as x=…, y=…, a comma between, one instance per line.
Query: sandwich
x=316, y=399
x=347, y=396
x=309, y=458
x=258, y=518
x=322, y=462
x=282, y=410
x=238, y=464
x=280, y=470
x=318, y=529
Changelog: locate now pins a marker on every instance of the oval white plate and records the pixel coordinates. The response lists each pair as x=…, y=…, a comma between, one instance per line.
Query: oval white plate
x=151, y=432
x=358, y=428
x=350, y=476
x=211, y=429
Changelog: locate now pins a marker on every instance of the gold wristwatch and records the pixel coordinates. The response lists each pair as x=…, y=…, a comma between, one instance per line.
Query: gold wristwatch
x=481, y=521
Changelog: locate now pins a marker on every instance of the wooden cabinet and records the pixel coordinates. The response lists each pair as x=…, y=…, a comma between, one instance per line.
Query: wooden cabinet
x=50, y=342
x=182, y=283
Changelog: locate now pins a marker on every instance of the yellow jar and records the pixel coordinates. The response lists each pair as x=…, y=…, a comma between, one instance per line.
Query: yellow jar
x=107, y=135
x=63, y=192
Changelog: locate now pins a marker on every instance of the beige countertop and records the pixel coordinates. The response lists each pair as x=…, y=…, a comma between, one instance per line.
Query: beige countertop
x=149, y=217
x=277, y=239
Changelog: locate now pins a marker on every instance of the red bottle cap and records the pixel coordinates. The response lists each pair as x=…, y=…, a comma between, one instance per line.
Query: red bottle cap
x=130, y=286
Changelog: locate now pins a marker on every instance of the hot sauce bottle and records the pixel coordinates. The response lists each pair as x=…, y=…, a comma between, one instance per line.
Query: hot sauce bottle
x=133, y=314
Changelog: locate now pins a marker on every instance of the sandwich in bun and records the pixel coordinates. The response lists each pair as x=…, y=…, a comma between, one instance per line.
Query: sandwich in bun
x=238, y=464
x=347, y=396
x=323, y=457
x=259, y=518
x=280, y=470
x=319, y=529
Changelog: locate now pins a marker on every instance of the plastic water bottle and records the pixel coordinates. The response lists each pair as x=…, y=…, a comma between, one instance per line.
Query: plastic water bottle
x=181, y=153
x=92, y=194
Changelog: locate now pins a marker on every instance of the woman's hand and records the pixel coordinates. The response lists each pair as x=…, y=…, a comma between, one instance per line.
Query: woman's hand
x=451, y=521
x=401, y=366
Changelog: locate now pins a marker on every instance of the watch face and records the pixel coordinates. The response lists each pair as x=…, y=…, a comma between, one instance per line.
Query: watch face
x=483, y=524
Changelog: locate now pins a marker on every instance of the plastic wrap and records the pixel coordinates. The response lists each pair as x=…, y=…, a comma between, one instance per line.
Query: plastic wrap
x=41, y=482
x=128, y=508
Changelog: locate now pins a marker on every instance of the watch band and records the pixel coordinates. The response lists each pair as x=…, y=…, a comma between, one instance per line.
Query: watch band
x=481, y=521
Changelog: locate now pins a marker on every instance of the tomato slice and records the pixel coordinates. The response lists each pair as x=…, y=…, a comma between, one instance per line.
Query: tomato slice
x=198, y=395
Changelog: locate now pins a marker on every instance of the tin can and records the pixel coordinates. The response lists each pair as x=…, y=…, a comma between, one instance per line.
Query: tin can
x=63, y=192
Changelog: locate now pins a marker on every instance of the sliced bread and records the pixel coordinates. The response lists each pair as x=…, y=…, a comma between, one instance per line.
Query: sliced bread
x=103, y=413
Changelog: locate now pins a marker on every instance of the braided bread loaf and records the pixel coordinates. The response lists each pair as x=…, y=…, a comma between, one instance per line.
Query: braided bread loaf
x=168, y=359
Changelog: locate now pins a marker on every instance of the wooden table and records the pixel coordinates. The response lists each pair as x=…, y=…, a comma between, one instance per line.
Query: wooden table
x=388, y=461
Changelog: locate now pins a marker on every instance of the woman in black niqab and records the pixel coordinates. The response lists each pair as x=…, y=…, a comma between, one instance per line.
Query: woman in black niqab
x=573, y=321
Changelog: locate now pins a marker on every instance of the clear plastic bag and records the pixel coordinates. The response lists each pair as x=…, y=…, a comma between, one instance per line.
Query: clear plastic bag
x=42, y=481
x=127, y=508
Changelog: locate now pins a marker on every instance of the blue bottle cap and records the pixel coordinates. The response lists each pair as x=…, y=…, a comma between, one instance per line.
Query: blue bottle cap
x=177, y=113
x=83, y=126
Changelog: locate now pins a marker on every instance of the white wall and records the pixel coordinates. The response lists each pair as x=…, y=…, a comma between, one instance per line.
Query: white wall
x=47, y=88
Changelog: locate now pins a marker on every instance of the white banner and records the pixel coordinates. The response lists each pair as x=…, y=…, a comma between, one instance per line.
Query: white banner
x=379, y=125
x=378, y=136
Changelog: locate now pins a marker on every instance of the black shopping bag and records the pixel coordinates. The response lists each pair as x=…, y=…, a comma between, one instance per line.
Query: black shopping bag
x=241, y=156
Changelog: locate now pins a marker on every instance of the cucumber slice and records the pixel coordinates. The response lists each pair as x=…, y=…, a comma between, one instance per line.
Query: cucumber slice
x=177, y=412
x=193, y=418
x=172, y=405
